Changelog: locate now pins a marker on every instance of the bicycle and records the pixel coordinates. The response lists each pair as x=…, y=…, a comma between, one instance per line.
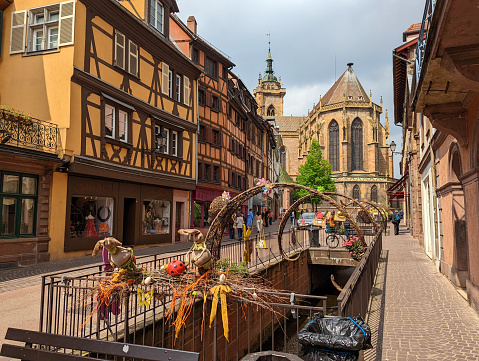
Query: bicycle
x=334, y=238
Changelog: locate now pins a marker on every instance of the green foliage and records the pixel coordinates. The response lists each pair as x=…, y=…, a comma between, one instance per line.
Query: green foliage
x=240, y=269
x=315, y=173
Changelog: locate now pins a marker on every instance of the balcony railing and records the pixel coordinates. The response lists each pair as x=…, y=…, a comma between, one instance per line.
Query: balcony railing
x=27, y=132
x=423, y=34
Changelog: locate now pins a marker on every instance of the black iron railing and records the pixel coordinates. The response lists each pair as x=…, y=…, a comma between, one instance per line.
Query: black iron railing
x=27, y=132
x=423, y=34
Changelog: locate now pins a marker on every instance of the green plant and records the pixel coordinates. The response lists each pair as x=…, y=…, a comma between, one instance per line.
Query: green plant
x=355, y=248
x=341, y=230
x=240, y=269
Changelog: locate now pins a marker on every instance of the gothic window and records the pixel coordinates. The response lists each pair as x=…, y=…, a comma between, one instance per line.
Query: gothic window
x=357, y=145
x=374, y=194
x=282, y=157
x=334, y=145
x=356, y=192
x=270, y=110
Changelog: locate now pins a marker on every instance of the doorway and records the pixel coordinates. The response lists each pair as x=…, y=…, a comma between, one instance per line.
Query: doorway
x=129, y=217
x=179, y=208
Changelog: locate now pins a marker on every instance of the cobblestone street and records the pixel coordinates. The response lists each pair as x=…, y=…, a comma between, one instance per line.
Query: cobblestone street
x=415, y=312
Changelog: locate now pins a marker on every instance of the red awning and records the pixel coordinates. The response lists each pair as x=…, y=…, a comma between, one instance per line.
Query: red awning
x=397, y=192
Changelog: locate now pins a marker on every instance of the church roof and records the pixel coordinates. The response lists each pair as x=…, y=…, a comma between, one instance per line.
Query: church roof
x=288, y=124
x=347, y=85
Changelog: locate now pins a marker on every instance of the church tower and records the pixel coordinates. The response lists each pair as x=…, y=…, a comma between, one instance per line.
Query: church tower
x=269, y=94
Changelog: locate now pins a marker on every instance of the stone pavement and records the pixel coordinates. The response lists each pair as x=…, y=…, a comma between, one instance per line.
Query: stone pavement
x=415, y=312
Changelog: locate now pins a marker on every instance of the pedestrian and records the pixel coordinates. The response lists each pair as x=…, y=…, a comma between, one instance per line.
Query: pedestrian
x=239, y=225
x=231, y=224
x=266, y=217
x=401, y=213
x=292, y=218
x=396, y=220
x=249, y=220
x=271, y=219
x=259, y=220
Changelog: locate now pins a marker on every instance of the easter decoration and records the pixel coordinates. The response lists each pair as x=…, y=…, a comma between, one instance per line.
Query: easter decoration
x=198, y=255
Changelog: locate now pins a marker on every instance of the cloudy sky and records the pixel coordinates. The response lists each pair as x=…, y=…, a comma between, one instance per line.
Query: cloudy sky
x=311, y=43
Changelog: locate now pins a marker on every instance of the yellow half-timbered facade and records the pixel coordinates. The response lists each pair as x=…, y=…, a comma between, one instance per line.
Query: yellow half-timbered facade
x=124, y=100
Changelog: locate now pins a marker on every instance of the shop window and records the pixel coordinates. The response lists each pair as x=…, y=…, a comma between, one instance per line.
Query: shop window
x=156, y=217
x=18, y=198
x=91, y=217
x=197, y=212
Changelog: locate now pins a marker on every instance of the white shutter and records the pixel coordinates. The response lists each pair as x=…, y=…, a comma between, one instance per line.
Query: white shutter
x=133, y=59
x=17, y=34
x=186, y=92
x=165, y=70
x=67, y=23
x=119, y=49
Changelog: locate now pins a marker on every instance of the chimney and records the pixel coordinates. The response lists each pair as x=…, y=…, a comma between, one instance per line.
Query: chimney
x=192, y=24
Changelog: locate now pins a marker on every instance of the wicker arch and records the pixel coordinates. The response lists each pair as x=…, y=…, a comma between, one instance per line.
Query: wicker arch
x=215, y=232
x=358, y=204
x=381, y=210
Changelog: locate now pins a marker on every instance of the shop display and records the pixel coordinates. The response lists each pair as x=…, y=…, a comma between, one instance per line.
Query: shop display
x=156, y=217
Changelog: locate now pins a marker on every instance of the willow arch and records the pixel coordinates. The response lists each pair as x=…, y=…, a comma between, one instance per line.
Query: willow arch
x=215, y=232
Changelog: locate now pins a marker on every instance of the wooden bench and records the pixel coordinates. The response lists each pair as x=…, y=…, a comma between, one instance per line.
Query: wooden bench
x=75, y=348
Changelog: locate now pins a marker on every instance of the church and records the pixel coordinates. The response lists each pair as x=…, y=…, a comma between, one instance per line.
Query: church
x=347, y=125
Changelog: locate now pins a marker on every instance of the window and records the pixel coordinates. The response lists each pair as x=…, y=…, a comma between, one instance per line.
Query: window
x=216, y=174
x=374, y=194
x=18, y=198
x=43, y=28
x=116, y=124
x=357, y=145
x=216, y=137
x=187, y=90
x=156, y=216
x=157, y=15
x=178, y=88
x=215, y=103
x=207, y=172
x=211, y=67
x=202, y=133
x=200, y=209
x=170, y=83
x=225, y=72
x=52, y=38
x=195, y=56
x=201, y=97
x=270, y=110
x=119, y=50
x=174, y=143
x=166, y=135
x=356, y=192
x=334, y=145
x=91, y=217
x=133, y=58
x=282, y=157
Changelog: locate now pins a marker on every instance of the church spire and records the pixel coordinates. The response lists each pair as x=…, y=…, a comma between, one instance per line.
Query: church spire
x=269, y=64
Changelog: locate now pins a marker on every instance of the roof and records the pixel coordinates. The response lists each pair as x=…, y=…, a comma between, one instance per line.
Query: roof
x=345, y=87
x=414, y=28
x=288, y=124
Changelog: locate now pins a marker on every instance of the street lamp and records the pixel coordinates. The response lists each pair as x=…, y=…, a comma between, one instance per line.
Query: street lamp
x=392, y=146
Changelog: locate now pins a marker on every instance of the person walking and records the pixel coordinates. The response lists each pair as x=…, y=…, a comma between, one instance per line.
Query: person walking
x=271, y=219
x=259, y=220
x=231, y=226
x=292, y=218
x=266, y=217
x=239, y=225
x=249, y=220
x=396, y=220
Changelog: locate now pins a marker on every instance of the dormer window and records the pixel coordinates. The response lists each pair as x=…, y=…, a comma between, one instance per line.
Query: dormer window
x=360, y=97
x=157, y=15
x=350, y=97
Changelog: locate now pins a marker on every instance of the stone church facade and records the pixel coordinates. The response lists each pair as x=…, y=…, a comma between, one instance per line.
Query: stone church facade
x=347, y=125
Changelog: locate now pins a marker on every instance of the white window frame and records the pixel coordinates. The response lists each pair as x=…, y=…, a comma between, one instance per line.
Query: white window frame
x=46, y=25
x=167, y=146
x=159, y=25
x=187, y=90
x=170, y=83
x=174, y=143
x=120, y=60
x=113, y=121
x=49, y=37
x=35, y=39
x=134, y=56
x=178, y=88
x=125, y=122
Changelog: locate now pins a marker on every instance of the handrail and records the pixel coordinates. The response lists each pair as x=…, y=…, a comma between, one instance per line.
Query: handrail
x=423, y=34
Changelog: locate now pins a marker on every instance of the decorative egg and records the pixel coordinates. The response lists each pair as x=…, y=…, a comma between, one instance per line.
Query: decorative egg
x=222, y=278
x=148, y=280
x=255, y=295
x=176, y=268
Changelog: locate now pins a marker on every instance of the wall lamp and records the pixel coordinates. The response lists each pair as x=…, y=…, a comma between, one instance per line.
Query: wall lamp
x=392, y=146
x=161, y=139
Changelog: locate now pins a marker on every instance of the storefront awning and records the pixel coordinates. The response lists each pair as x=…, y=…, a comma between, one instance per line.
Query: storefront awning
x=398, y=191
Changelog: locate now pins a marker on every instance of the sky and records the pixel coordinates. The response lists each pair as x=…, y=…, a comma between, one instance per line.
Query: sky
x=311, y=43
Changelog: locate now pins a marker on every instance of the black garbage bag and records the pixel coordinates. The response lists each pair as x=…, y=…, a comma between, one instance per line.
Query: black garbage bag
x=316, y=354
x=336, y=333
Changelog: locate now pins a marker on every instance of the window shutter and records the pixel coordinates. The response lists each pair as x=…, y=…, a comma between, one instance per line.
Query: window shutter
x=17, y=34
x=180, y=145
x=210, y=135
x=133, y=58
x=165, y=69
x=119, y=49
x=186, y=91
x=66, y=24
x=209, y=99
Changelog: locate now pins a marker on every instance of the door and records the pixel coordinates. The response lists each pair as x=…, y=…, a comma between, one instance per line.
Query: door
x=129, y=217
x=179, y=207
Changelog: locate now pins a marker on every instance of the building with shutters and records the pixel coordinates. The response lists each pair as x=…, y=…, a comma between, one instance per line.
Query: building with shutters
x=234, y=143
x=122, y=99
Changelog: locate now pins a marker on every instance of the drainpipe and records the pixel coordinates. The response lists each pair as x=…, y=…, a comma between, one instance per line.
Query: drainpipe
x=434, y=200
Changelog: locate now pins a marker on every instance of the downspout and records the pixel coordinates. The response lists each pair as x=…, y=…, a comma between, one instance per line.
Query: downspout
x=434, y=200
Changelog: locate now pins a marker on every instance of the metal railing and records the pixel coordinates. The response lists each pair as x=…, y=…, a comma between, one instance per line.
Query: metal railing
x=423, y=35
x=28, y=132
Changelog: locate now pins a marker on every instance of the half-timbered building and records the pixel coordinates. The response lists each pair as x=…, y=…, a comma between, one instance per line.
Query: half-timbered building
x=231, y=136
x=124, y=100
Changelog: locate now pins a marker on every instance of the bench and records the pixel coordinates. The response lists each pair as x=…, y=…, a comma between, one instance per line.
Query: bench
x=76, y=348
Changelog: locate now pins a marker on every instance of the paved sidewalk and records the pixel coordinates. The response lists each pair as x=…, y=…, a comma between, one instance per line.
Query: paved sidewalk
x=415, y=312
